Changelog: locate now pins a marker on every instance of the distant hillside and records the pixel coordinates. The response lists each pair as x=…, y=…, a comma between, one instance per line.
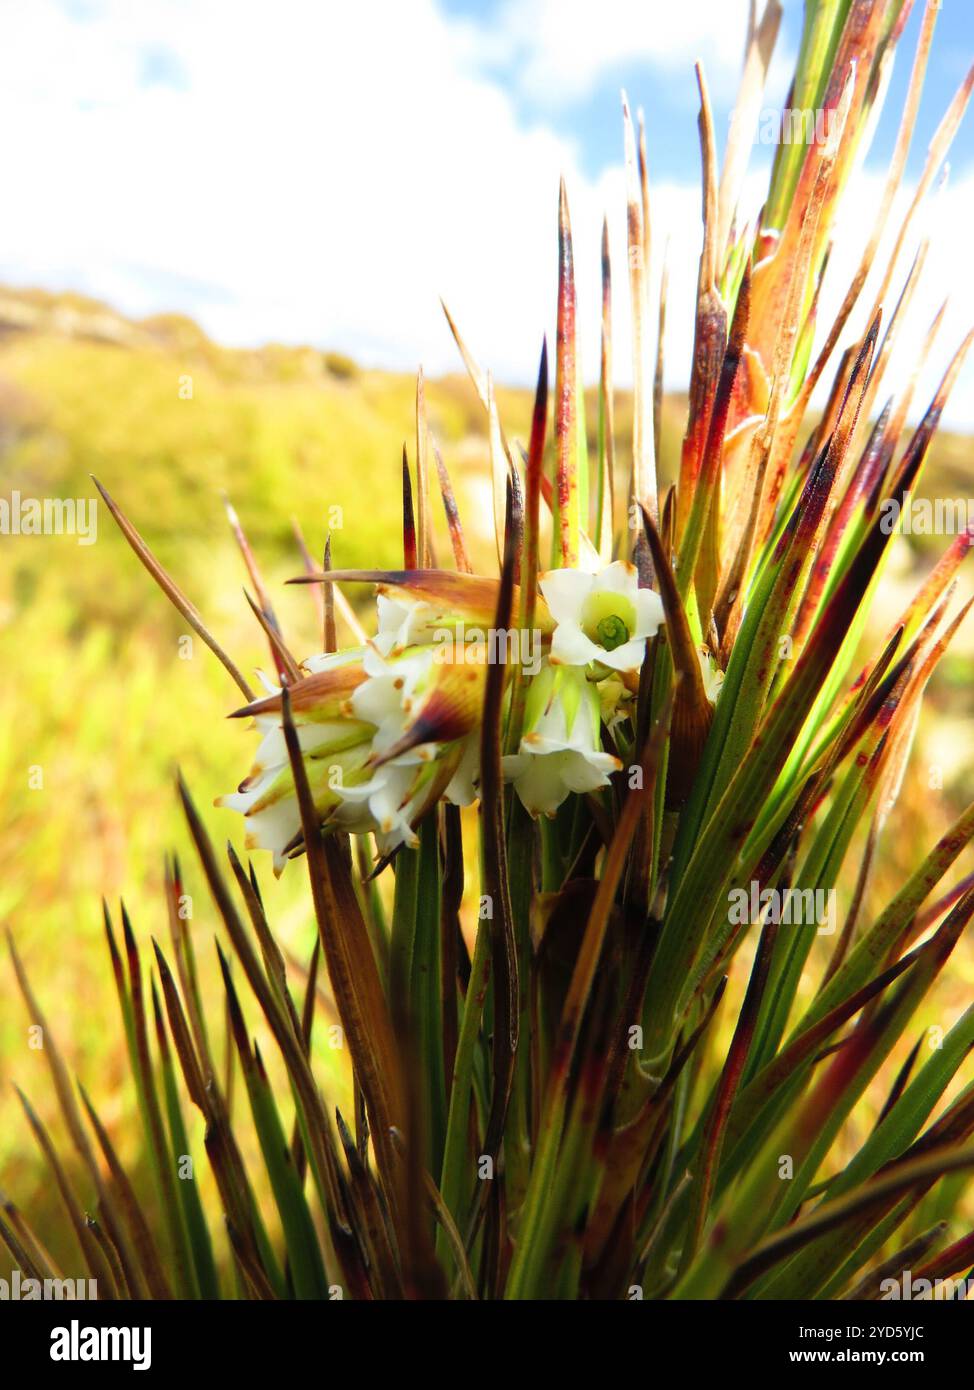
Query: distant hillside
x=71, y=315
x=169, y=419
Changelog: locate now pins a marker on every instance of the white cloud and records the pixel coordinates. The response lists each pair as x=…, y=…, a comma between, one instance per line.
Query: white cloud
x=560, y=49
x=322, y=172
x=327, y=170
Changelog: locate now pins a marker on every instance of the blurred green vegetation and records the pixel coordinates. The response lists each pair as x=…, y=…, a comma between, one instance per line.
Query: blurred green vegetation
x=101, y=701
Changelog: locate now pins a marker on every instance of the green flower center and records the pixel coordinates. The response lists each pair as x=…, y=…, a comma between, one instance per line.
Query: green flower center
x=608, y=618
x=612, y=632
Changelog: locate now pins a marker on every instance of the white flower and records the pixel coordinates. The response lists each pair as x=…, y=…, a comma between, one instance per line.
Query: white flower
x=403, y=620
x=603, y=617
x=561, y=749
x=713, y=676
x=396, y=793
x=312, y=729
x=269, y=804
x=274, y=826
x=384, y=730
x=384, y=804
x=387, y=698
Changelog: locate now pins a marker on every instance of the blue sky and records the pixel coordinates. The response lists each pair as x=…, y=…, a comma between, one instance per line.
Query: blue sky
x=320, y=171
x=669, y=99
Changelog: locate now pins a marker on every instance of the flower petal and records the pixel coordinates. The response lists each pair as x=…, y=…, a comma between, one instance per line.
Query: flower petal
x=619, y=578
x=628, y=657
x=649, y=613
x=564, y=592
x=571, y=647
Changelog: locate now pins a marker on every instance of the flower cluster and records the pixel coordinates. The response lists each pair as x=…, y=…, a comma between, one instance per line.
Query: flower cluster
x=388, y=729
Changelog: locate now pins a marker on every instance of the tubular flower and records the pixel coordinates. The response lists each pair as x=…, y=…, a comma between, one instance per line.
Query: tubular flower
x=320, y=708
x=603, y=618
x=421, y=696
x=561, y=748
x=335, y=748
x=423, y=710
x=269, y=803
x=383, y=736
